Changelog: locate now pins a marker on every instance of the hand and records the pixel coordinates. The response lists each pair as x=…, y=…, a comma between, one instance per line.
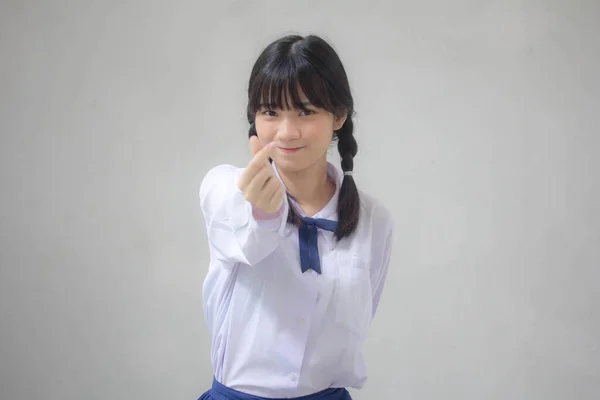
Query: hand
x=258, y=182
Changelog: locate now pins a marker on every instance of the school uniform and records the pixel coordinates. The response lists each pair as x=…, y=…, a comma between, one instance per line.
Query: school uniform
x=288, y=309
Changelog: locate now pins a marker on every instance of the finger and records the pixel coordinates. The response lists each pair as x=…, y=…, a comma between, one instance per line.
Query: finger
x=260, y=159
x=254, y=145
x=277, y=199
x=270, y=198
x=249, y=174
x=271, y=188
x=255, y=188
x=264, y=153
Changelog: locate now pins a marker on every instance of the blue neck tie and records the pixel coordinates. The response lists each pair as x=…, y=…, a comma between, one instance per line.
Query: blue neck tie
x=308, y=236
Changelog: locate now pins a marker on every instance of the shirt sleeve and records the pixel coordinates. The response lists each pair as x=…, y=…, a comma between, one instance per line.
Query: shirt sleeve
x=378, y=275
x=234, y=235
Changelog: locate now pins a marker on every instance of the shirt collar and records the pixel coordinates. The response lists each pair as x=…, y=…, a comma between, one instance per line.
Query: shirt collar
x=330, y=209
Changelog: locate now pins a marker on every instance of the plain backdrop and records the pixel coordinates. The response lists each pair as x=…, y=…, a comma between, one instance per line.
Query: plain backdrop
x=477, y=125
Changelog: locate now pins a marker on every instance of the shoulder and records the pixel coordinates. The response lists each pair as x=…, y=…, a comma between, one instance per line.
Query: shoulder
x=217, y=183
x=375, y=214
x=220, y=172
x=219, y=175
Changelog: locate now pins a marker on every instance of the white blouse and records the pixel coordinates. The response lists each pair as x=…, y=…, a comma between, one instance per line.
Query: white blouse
x=278, y=332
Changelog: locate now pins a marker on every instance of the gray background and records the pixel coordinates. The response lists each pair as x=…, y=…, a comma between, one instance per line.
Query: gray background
x=478, y=127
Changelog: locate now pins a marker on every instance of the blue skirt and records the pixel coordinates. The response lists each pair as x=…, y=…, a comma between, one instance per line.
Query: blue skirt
x=221, y=392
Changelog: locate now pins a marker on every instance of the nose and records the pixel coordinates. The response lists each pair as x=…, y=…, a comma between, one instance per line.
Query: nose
x=288, y=130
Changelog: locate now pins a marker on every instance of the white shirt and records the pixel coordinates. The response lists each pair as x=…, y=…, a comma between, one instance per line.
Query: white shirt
x=278, y=332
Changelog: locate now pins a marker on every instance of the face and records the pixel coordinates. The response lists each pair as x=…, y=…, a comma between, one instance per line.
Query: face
x=302, y=136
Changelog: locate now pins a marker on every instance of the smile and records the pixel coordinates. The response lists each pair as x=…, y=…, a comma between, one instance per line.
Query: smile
x=291, y=150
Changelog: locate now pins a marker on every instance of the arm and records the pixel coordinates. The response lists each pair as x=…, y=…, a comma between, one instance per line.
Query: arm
x=378, y=275
x=237, y=232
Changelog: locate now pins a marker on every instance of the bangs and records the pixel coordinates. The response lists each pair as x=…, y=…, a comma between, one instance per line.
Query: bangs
x=278, y=85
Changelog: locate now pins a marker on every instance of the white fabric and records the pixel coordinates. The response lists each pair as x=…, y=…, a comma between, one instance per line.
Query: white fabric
x=277, y=332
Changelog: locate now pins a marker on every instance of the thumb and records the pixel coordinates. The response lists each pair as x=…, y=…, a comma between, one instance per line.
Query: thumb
x=254, y=145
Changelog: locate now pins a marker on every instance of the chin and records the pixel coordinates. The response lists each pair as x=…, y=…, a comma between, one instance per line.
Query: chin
x=287, y=165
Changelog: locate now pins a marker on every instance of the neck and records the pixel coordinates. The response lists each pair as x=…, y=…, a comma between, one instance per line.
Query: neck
x=311, y=187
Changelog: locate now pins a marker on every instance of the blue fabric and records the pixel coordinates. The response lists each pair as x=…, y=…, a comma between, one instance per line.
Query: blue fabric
x=222, y=392
x=308, y=236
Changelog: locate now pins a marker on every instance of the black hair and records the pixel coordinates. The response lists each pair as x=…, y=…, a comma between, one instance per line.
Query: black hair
x=313, y=65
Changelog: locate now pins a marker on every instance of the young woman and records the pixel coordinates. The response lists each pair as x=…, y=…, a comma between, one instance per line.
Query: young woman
x=298, y=256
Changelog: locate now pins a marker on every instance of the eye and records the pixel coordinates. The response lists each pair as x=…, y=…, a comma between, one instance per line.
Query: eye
x=270, y=113
x=307, y=112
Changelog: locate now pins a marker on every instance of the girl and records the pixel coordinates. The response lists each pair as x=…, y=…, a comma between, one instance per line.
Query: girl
x=298, y=256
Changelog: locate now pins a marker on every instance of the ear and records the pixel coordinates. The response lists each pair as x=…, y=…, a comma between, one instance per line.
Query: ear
x=339, y=121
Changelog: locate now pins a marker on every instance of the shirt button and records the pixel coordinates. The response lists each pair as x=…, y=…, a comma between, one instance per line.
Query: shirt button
x=293, y=377
x=303, y=321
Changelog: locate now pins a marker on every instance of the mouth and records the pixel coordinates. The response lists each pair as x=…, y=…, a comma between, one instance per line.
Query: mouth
x=289, y=150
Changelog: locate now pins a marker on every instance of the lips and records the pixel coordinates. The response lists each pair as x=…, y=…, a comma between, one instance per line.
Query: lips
x=290, y=150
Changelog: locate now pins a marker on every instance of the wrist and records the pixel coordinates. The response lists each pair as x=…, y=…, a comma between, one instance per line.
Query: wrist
x=260, y=215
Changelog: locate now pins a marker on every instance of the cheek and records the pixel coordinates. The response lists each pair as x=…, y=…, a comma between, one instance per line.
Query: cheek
x=265, y=131
x=321, y=133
